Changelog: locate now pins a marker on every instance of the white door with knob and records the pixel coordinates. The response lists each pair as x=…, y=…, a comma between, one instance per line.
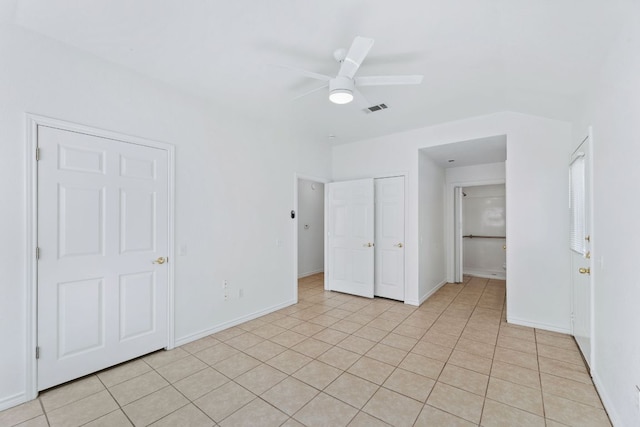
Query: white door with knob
x=350, y=237
x=581, y=245
x=103, y=242
x=389, y=241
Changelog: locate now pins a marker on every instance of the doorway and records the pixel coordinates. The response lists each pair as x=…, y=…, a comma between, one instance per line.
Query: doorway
x=308, y=247
x=310, y=214
x=480, y=219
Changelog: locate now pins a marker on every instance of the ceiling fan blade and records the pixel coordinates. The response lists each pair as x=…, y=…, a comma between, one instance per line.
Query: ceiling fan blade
x=307, y=73
x=388, y=80
x=357, y=52
x=360, y=99
x=311, y=91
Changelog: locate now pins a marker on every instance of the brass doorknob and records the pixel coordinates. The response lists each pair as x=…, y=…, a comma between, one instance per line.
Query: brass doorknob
x=585, y=270
x=160, y=260
x=368, y=245
x=399, y=245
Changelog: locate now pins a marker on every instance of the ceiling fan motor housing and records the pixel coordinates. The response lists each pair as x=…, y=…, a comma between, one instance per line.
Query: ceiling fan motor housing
x=341, y=83
x=341, y=90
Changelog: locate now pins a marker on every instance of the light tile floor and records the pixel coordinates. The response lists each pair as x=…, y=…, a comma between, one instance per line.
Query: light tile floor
x=336, y=360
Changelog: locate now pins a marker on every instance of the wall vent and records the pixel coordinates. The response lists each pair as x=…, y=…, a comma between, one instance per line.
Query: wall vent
x=375, y=108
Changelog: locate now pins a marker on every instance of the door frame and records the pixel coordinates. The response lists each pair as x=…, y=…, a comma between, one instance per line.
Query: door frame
x=297, y=176
x=31, y=225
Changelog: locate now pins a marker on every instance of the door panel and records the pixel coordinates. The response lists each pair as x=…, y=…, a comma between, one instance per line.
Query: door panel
x=102, y=221
x=389, y=224
x=138, y=211
x=80, y=316
x=581, y=247
x=81, y=220
x=137, y=311
x=350, y=237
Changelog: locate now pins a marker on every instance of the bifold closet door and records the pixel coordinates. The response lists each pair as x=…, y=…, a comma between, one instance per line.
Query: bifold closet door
x=350, y=237
x=389, y=240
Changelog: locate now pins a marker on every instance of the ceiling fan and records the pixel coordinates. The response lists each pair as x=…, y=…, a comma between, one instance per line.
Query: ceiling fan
x=343, y=87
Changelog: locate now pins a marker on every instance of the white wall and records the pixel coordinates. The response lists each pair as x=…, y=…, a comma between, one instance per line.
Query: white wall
x=538, y=289
x=233, y=187
x=310, y=227
x=432, y=247
x=483, y=214
x=613, y=111
x=490, y=173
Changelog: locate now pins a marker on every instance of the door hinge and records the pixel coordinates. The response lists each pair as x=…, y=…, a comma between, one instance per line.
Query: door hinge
x=37, y=153
x=37, y=252
x=38, y=352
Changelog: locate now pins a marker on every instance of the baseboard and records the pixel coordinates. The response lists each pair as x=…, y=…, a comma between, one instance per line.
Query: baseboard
x=310, y=273
x=427, y=295
x=206, y=332
x=606, y=400
x=11, y=401
x=498, y=275
x=543, y=326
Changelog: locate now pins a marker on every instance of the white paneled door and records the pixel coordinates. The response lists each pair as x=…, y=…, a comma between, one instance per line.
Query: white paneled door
x=103, y=242
x=350, y=237
x=580, y=245
x=389, y=240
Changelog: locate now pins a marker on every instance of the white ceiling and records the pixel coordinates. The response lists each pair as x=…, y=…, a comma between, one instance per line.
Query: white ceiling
x=477, y=56
x=467, y=153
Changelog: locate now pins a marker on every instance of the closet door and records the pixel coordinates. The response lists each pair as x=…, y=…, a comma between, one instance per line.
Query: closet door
x=389, y=241
x=103, y=239
x=350, y=237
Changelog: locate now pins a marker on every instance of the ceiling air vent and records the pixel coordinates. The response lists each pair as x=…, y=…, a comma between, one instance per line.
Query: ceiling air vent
x=375, y=108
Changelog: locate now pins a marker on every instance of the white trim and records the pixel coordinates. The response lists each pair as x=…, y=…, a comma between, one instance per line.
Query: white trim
x=14, y=400
x=537, y=325
x=497, y=275
x=206, y=332
x=427, y=295
x=31, y=268
x=310, y=273
x=577, y=156
x=594, y=251
x=31, y=265
x=607, y=402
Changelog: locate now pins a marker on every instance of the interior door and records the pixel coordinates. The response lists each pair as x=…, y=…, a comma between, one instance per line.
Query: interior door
x=389, y=238
x=102, y=222
x=580, y=244
x=350, y=237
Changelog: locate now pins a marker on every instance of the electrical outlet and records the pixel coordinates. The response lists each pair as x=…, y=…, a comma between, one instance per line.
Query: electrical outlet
x=240, y=293
x=225, y=288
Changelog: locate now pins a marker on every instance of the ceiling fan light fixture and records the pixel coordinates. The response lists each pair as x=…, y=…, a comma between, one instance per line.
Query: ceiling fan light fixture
x=341, y=96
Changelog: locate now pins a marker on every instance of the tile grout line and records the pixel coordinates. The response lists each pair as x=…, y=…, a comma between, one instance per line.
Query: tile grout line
x=44, y=412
